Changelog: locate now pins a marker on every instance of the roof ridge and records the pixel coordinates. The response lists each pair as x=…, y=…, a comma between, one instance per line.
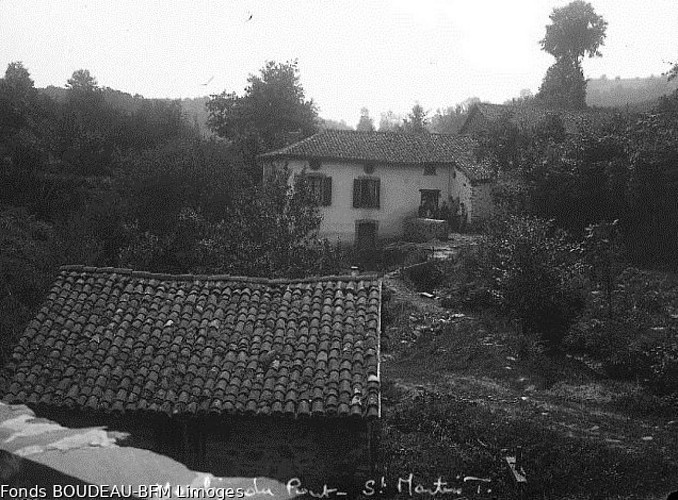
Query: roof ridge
x=214, y=277
x=383, y=132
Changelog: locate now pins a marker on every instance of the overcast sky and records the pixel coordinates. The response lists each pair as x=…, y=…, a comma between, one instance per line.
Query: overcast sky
x=376, y=54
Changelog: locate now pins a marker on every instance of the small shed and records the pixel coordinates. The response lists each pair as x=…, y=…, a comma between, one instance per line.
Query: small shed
x=231, y=375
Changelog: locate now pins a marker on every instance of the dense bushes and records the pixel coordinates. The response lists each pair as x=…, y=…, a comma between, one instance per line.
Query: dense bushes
x=615, y=166
x=580, y=298
x=638, y=338
x=534, y=274
x=26, y=270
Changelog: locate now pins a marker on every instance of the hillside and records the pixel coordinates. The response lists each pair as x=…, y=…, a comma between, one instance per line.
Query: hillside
x=461, y=393
x=639, y=93
x=193, y=108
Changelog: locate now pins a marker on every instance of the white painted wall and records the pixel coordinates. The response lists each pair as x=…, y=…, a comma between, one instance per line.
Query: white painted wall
x=400, y=197
x=460, y=188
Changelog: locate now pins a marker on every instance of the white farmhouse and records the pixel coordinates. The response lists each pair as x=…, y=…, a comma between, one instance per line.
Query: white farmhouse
x=370, y=183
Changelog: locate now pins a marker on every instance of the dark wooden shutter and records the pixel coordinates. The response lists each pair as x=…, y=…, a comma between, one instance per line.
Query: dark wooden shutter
x=327, y=191
x=356, y=193
x=377, y=188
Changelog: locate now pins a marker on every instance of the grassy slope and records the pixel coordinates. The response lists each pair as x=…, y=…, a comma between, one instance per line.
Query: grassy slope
x=458, y=390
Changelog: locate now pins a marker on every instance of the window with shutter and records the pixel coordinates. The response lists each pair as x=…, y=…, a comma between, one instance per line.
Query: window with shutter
x=366, y=193
x=327, y=191
x=320, y=188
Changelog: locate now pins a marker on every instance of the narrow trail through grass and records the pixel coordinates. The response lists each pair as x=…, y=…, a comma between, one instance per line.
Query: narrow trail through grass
x=458, y=389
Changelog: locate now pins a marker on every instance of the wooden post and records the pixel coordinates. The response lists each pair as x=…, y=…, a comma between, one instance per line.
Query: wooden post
x=515, y=466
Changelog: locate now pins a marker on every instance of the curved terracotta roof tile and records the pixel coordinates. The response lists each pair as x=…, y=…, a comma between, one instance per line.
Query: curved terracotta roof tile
x=117, y=340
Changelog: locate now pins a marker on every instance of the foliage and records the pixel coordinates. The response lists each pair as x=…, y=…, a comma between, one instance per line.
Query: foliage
x=26, y=265
x=673, y=72
x=450, y=120
x=23, y=138
x=535, y=275
x=416, y=121
x=365, y=124
x=604, y=254
x=619, y=166
x=390, y=122
x=501, y=143
x=328, y=124
x=563, y=86
x=273, y=221
x=272, y=113
x=575, y=31
x=159, y=183
x=638, y=340
x=82, y=81
x=276, y=222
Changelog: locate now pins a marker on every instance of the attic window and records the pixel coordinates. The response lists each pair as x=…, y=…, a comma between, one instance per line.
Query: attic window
x=369, y=168
x=429, y=169
x=314, y=164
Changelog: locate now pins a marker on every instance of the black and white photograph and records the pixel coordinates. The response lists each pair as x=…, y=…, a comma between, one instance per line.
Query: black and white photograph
x=339, y=249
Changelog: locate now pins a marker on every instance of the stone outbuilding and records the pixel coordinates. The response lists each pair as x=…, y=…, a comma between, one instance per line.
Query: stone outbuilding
x=235, y=376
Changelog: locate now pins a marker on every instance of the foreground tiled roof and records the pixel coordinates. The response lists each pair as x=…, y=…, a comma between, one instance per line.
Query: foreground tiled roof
x=388, y=147
x=528, y=115
x=118, y=340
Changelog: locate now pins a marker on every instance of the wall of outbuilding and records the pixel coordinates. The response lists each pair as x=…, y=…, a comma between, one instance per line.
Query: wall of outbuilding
x=316, y=450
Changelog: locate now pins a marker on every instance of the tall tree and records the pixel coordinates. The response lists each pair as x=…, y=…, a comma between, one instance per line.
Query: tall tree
x=82, y=80
x=17, y=94
x=23, y=117
x=366, y=123
x=272, y=113
x=563, y=86
x=87, y=127
x=450, y=120
x=416, y=122
x=390, y=122
x=575, y=31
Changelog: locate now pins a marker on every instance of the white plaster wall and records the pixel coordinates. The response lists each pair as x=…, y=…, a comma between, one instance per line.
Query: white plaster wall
x=461, y=189
x=400, y=197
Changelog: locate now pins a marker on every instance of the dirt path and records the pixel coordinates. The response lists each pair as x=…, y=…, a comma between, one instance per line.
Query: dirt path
x=590, y=410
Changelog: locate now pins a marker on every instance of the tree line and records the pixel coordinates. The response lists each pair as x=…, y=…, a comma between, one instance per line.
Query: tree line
x=85, y=181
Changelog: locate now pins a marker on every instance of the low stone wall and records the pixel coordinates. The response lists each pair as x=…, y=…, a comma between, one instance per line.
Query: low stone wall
x=420, y=230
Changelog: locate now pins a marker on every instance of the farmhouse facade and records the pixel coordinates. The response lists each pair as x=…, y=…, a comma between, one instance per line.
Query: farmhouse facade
x=369, y=183
x=236, y=376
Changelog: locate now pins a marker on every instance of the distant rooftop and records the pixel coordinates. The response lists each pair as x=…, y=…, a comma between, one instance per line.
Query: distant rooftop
x=526, y=115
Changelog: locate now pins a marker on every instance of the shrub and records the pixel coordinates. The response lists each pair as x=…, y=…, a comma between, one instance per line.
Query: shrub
x=535, y=274
x=633, y=339
x=26, y=270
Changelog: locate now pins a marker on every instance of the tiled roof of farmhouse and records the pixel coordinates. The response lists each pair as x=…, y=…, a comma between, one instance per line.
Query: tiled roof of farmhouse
x=527, y=115
x=119, y=340
x=388, y=147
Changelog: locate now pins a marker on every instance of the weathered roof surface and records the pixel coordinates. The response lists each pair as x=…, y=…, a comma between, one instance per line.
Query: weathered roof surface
x=528, y=115
x=388, y=147
x=118, y=340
